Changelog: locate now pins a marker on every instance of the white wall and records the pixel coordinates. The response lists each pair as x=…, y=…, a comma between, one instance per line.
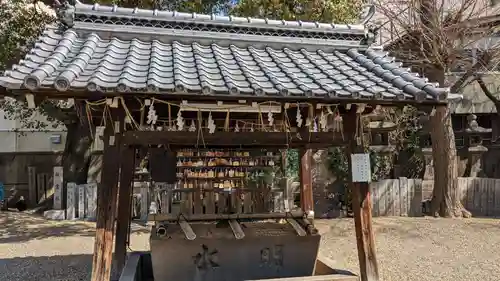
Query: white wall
x=15, y=138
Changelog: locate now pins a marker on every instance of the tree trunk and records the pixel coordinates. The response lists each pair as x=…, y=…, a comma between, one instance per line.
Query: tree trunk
x=76, y=157
x=445, y=200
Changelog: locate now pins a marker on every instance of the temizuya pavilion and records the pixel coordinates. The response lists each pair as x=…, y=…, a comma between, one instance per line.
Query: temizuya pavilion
x=131, y=57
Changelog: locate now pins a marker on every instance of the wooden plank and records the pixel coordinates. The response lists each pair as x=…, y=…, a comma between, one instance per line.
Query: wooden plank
x=32, y=187
x=476, y=207
x=238, y=201
x=198, y=199
x=221, y=202
x=382, y=187
x=375, y=200
x=409, y=196
x=395, y=198
x=57, y=180
x=497, y=197
x=230, y=139
x=461, y=191
x=418, y=197
x=144, y=200
x=361, y=202
x=257, y=199
x=415, y=203
x=209, y=202
x=186, y=203
x=71, y=190
x=123, y=218
x=278, y=204
x=470, y=193
x=166, y=198
x=490, y=197
x=81, y=201
x=106, y=204
x=247, y=202
x=403, y=187
x=483, y=189
x=40, y=187
x=388, y=199
x=306, y=181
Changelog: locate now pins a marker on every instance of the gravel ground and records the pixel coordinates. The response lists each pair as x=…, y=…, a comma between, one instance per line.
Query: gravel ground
x=413, y=249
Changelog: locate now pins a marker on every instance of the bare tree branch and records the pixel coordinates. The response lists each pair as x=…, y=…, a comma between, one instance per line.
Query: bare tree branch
x=487, y=92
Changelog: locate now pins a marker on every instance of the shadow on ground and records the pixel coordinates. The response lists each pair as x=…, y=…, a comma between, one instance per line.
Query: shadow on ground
x=18, y=227
x=55, y=268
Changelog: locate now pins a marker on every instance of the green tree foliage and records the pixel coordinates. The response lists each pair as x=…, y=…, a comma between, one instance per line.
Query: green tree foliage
x=336, y=11
x=196, y=6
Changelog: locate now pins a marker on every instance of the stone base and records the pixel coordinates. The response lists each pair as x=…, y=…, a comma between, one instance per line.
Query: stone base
x=55, y=214
x=268, y=250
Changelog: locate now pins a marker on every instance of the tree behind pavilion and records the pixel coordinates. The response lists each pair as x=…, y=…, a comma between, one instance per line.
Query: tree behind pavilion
x=434, y=38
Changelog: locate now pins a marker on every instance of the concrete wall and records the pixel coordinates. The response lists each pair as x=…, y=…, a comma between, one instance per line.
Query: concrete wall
x=14, y=171
x=31, y=142
x=18, y=139
x=21, y=147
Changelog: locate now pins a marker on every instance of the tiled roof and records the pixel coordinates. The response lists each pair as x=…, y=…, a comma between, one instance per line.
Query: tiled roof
x=169, y=53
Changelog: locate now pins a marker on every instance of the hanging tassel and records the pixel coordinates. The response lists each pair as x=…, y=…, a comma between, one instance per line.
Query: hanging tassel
x=170, y=127
x=226, y=123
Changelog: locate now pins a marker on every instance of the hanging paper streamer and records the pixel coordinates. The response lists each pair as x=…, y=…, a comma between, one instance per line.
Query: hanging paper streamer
x=315, y=127
x=152, y=117
x=211, y=124
x=323, y=122
x=192, y=127
x=237, y=128
x=180, y=121
x=298, y=117
x=270, y=118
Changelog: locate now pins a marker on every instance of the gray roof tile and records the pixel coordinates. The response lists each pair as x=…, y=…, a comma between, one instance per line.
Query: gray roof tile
x=81, y=59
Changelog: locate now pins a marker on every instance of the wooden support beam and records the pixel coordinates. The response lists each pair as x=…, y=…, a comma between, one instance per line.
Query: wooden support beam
x=232, y=139
x=361, y=204
x=123, y=217
x=306, y=189
x=106, y=204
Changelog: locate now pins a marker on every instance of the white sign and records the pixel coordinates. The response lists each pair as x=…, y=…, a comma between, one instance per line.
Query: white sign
x=81, y=201
x=91, y=200
x=71, y=201
x=58, y=191
x=361, y=169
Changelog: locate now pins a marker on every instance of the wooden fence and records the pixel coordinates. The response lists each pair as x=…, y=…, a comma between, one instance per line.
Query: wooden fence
x=404, y=197
x=481, y=196
x=397, y=197
x=391, y=197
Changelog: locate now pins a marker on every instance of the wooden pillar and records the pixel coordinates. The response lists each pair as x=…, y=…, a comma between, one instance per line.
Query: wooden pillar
x=361, y=204
x=123, y=218
x=306, y=189
x=106, y=202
